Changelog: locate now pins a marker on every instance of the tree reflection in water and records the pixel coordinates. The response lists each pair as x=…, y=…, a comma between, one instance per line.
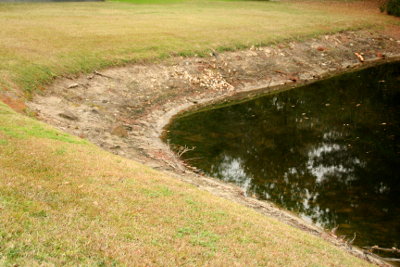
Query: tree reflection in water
x=329, y=151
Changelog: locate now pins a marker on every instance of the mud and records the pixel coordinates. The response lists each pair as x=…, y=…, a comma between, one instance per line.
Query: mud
x=125, y=109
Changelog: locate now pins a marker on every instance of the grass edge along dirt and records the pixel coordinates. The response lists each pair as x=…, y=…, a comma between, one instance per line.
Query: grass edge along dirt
x=42, y=41
x=64, y=201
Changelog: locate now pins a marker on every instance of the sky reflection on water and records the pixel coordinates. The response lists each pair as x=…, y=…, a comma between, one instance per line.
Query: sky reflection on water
x=329, y=151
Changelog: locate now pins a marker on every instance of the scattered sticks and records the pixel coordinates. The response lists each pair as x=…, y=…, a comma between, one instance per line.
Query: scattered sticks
x=183, y=149
x=102, y=75
x=392, y=250
x=360, y=57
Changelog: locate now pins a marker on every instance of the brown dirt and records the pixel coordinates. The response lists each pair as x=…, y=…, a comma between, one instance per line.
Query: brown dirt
x=15, y=103
x=125, y=109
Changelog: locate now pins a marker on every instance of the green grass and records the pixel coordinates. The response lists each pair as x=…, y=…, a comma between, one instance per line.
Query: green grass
x=69, y=203
x=40, y=41
x=23, y=129
x=166, y=2
x=64, y=201
x=150, y=2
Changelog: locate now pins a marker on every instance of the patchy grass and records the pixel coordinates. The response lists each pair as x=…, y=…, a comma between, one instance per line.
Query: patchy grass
x=22, y=128
x=66, y=202
x=40, y=41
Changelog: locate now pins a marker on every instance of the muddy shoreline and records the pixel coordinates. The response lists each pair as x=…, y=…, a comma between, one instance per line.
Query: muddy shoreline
x=125, y=109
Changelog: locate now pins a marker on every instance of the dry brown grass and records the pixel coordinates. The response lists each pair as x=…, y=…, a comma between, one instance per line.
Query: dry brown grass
x=66, y=202
x=42, y=40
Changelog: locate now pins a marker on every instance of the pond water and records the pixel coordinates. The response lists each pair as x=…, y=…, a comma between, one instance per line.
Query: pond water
x=329, y=151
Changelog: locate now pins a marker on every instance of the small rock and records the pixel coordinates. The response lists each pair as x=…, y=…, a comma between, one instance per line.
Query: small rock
x=192, y=100
x=73, y=85
x=120, y=131
x=68, y=115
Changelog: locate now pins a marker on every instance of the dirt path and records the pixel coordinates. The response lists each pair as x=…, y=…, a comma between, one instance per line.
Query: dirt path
x=125, y=109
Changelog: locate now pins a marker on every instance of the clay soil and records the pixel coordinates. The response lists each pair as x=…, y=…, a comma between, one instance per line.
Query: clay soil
x=125, y=109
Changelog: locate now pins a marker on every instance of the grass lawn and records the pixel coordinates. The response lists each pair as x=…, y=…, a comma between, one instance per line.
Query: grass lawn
x=39, y=41
x=64, y=201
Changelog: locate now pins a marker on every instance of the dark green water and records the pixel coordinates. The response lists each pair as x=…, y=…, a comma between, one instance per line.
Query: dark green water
x=329, y=151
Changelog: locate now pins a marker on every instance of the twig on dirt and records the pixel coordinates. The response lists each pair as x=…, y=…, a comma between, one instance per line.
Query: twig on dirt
x=359, y=56
x=183, y=149
x=172, y=165
x=269, y=83
x=290, y=76
x=334, y=229
x=194, y=158
x=391, y=259
x=352, y=240
x=281, y=72
x=102, y=75
x=393, y=249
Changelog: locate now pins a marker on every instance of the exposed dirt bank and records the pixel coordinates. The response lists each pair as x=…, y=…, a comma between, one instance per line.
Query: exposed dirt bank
x=125, y=109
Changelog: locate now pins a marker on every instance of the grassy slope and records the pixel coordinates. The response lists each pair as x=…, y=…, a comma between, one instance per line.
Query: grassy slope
x=40, y=41
x=66, y=202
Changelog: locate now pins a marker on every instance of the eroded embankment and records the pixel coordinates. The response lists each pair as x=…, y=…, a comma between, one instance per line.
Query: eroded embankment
x=125, y=109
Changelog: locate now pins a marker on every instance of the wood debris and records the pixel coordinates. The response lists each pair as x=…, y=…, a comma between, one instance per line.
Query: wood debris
x=359, y=56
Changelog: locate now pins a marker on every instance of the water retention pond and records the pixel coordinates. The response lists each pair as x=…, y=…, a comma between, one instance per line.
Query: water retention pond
x=328, y=151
